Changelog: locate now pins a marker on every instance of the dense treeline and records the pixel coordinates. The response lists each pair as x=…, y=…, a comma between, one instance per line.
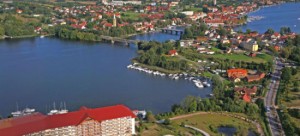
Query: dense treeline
x=68, y=32
x=287, y=85
x=194, y=31
x=154, y=54
x=28, y=8
x=221, y=101
x=290, y=128
x=288, y=125
x=11, y=26
x=73, y=34
x=292, y=50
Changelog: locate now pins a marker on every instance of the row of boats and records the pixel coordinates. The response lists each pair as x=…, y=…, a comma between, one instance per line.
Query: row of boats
x=198, y=83
x=23, y=112
x=28, y=111
x=254, y=18
x=155, y=73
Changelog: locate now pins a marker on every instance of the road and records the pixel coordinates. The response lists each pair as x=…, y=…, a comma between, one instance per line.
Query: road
x=271, y=112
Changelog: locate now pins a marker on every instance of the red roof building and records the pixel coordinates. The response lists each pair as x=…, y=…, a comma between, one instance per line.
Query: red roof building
x=252, y=54
x=19, y=11
x=277, y=48
x=173, y=53
x=247, y=98
x=111, y=120
x=246, y=92
x=256, y=77
x=237, y=73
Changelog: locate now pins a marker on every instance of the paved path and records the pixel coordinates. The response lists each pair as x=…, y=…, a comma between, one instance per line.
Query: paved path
x=197, y=129
x=272, y=115
x=188, y=115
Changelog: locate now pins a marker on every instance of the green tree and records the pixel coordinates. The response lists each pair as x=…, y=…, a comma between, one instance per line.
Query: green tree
x=150, y=117
x=2, y=31
x=286, y=74
x=187, y=34
x=167, y=121
x=270, y=31
x=189, y=103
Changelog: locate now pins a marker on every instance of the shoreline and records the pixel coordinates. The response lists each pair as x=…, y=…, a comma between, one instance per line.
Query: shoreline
x=24, y=36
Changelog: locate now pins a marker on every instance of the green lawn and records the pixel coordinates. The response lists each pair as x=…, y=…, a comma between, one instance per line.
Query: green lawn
x=265, y=57
x=206, y=122
x=294, y=96
x=131, y=15
x=261, y=58
x=193, y=9
x=296, y=121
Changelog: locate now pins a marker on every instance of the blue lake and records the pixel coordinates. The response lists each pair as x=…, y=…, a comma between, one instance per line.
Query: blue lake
x=275, y=17
x=36, y=72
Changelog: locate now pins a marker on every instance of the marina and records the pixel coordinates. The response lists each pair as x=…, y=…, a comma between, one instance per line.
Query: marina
x=196, y=80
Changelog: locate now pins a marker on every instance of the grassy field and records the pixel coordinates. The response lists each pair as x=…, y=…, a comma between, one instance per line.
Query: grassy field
x=293, y=95
x=296, y=121
x=131, y=15
x=210, y=122
x=206, y=122
x=19, y=17
x=261, y=58
x=193, y=9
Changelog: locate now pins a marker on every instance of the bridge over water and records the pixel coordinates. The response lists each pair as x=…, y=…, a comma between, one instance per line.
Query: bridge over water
x=169, y=30
x=120, y=39
x=172, y=30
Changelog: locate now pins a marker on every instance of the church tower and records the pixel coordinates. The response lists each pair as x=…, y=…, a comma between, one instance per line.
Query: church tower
x=114, y=21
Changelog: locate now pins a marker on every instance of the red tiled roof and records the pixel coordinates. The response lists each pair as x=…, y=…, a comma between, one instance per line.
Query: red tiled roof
x=247, y=98
x=38, y=122
x=172, y=52
x=239, y=73
x=255, y=77
x=245, y=90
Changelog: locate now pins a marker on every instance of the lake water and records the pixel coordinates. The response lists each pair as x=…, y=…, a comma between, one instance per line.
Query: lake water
x=275, y=17
x=36, y=72
x=227, y=131
x=230, y=131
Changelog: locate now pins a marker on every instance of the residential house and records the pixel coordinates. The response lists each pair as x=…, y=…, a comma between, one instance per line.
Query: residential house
x=258, y=76
x=250, y=46
x=172, y=53
x=246, y=92
x=234, y=74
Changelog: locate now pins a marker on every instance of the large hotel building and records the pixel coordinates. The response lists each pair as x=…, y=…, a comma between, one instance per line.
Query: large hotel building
x=107, y=121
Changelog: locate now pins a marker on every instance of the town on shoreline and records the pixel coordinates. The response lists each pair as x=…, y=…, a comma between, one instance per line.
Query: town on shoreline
x=254, y=76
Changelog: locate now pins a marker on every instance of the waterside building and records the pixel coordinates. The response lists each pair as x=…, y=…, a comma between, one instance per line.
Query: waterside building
x=116, y=120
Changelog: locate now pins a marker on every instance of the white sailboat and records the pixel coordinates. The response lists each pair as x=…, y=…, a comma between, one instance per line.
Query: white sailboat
x=18, y=112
